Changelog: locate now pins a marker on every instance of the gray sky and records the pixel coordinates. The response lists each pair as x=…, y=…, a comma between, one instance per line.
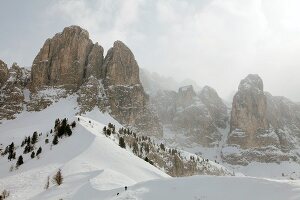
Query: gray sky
x=214, y=42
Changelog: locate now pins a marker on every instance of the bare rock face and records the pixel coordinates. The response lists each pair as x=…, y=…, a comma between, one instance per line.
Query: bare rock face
x=3, y=73
x=263, y=128
x=215, y=105
x=197, y=117
x=120, y=66
x=284, y=117
x=249, y=113
x=92, y=94
x=186, y=96
x=66, y=59
x=71, y=64
x=127, y=99
x=12, y=92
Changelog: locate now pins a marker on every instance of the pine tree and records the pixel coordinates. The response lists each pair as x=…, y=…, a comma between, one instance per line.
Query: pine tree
x=135, y=149
x=11, y=150
x=73, y=125
x=20, y=161
x=57, y=124
x=104, y=130
x=32, y=155
x=68, y=130
x=122, y=142
x=58, y=178
x=34, y=138
x=39, y=151
x=55, y=140
x=28, y=140
x=108, y=132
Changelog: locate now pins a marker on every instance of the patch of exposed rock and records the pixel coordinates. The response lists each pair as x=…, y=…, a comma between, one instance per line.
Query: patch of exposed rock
x=197, y=117
x=71, y=64
x=12, y=92
x=128, y=102
x=249, y=114
x=67, y=59
x=92, y=94
x=3, y=73
x=263, y=128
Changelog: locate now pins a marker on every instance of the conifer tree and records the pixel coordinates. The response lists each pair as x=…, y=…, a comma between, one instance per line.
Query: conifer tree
x=122, y=142
x=58, y=178
x=68, y=130
x=55, y=140
x=32, y=155
x=39, y=151
x=34, y=138
x=20, y=161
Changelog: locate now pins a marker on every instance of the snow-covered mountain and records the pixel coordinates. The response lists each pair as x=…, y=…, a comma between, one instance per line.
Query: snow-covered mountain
x=87, y=158
x=105, y=124
x=94, y=165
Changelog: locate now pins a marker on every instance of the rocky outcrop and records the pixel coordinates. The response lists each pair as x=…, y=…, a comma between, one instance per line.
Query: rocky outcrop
x=67, y=59
x=263, y=128
x=3, y=73
x=284, y=117
x=216, y=107
x=249, y=113
x=197, y=117
x=120, y=66
x=12, y=92
x=92, y=94
x=71, y=64
x=127, y=100
x=186, y=96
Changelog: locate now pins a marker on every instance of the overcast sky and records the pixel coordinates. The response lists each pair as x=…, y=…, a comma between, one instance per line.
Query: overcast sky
x=214, y=42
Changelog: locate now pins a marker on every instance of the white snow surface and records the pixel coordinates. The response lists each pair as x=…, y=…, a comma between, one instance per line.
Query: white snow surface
x=86, y=158
x=95, y=167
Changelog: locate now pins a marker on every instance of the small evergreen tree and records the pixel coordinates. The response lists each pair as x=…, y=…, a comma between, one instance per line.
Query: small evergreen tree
x=46, y=141
x=122, y=142
x=58, y=178
x=55, y=140
x=162, y=147
x=32, y=155
x=108, y=132
x=34, y=138
x=24, y=142
x=73, y=125
x=20, y=161
x=39, y=151
x=104, y=130
x=11, y=149
x=68, y=130
x=135, y=149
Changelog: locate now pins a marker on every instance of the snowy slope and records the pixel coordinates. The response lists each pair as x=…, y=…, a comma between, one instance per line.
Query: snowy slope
x=86, y=158
x=211, y=188
x=198, y=188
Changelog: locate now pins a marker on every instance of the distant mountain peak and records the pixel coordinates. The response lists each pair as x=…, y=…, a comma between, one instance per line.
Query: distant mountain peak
x=250, y=82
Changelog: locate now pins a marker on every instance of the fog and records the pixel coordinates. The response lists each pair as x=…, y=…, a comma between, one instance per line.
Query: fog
x=213, y=42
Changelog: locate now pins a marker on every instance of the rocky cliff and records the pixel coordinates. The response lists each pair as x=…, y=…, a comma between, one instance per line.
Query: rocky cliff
x=71, y=64
x=249, y=113
x=263, y=128
x=12, y=91
x=127, y=100
x=67, y=59
x=3, y=73
x=196, y=117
